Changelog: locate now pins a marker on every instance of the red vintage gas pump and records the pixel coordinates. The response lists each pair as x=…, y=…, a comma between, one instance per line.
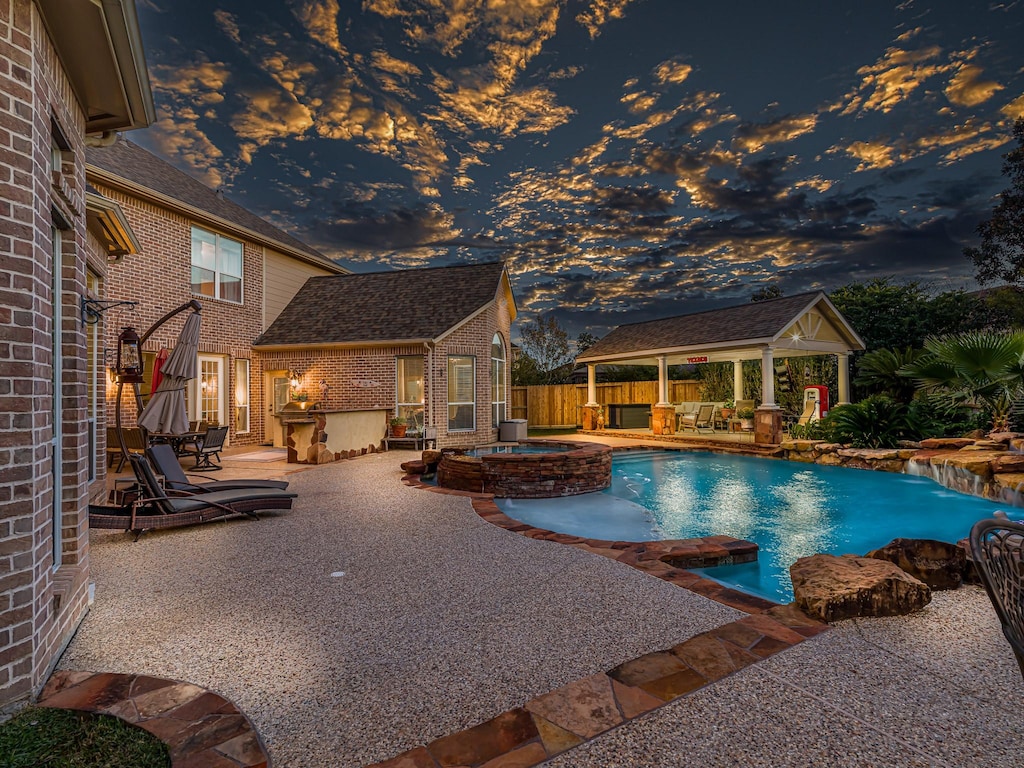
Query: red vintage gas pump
x=817, y=394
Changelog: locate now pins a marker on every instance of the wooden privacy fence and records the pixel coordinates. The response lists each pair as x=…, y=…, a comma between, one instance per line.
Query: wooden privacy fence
x=560, y=405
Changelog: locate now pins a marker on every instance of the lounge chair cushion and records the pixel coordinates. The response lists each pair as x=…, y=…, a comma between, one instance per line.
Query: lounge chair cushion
x=179, y=504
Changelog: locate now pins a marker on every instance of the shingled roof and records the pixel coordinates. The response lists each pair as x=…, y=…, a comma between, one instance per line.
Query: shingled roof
x=754, y=322
x=124, y=161
x=378, y=307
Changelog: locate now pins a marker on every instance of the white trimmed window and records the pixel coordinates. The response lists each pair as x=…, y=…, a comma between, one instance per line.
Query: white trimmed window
x=241, y=396
x=461, y=393
x=497, y=380
x=216, y=266
x=409, y=404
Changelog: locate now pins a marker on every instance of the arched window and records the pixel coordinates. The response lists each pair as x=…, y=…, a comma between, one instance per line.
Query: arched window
x=497, y=380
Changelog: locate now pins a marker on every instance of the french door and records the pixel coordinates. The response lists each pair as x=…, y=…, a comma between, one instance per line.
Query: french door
x=208, y=401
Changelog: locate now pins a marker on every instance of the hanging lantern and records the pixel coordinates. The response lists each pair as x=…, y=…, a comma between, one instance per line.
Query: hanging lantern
x=129, y=357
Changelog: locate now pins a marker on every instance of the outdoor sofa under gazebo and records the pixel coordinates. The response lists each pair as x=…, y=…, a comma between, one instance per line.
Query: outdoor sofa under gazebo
x=793, y=326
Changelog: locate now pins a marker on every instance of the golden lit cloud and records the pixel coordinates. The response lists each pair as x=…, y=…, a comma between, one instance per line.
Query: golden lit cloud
x=754, y=137
x=269, y=115
x=892, y=79
x=967, y=89
x=1015, y=109
x=180, y=137
x=672, y=72
x=320, y=17
x=600, y=13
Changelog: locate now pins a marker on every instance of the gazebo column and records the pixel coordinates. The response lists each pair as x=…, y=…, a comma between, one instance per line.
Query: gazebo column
x=663, y=414
x=768, y=378
x=843, y=364
x=768, y=417
x=737, y=380
x=593, y=418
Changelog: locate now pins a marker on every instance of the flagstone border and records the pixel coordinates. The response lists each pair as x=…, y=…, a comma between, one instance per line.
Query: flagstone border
x=200, y=728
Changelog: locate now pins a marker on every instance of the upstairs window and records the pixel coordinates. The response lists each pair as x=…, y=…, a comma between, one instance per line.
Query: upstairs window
x=216, y=266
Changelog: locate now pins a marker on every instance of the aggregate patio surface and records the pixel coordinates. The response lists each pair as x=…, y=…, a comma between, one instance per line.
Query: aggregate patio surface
x=376, y=620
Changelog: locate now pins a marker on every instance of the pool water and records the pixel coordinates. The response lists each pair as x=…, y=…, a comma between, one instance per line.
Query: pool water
x=789, y=509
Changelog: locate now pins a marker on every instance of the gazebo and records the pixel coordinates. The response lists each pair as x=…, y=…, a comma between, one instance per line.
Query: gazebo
x=793, y=326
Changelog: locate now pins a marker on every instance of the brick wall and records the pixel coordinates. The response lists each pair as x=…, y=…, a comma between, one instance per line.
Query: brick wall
x=39, y=606
x=160, y=279
x=366, y=377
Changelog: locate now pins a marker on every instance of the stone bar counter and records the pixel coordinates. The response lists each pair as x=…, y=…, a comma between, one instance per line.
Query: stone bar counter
x=327, y=435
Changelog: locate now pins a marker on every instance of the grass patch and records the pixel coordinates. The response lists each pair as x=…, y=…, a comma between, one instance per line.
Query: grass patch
x=39, y=737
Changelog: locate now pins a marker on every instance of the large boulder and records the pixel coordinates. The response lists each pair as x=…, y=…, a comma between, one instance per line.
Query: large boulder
x=936, y=563
x=946, y=442
x=830, y=588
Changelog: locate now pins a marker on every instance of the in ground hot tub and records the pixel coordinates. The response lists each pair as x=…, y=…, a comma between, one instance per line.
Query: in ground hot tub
x=568, y=468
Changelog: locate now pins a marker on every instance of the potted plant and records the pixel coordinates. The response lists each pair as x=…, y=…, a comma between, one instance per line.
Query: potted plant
x=398, y=427
x=728, y=409
x=746, y=417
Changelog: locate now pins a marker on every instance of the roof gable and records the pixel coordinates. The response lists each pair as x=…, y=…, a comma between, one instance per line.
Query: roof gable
x=128, y=162
x=763, y=322
x=380, y=307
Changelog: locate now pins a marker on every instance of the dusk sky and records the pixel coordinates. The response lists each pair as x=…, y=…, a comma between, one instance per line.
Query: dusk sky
x=628, y=159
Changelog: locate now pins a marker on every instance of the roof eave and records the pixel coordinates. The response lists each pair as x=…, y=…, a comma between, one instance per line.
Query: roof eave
x=683, y=350
x=100, y=47
x=854, y=339
x=108, y=224
x=339, y=344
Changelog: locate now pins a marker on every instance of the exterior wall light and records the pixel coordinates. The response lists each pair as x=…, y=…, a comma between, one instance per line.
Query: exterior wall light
x=129, y=357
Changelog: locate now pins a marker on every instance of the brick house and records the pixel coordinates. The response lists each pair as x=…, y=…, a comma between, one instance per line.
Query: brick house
x=430, y=346
x=193, y=243
x=70, y=72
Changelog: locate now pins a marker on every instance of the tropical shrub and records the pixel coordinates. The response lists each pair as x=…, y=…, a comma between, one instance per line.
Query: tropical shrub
x=875, y=422
x=878, y=373
x=976, y=368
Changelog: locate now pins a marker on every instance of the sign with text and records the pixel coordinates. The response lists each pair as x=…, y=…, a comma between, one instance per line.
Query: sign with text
x=700, y=359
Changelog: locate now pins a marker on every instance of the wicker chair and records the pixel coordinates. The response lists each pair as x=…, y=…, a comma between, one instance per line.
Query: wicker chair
x=134, y=441
x=997, y=547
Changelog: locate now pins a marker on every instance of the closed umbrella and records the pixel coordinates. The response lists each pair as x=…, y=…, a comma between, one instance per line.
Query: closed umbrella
x=165, y=411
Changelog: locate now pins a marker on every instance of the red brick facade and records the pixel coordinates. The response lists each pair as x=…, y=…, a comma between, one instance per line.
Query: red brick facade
x=159, y=278
x=40, y=606
x=366, y=377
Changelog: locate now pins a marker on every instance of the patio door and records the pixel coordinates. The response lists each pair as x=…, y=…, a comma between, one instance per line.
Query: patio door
x=279, y=386
x=209, y=390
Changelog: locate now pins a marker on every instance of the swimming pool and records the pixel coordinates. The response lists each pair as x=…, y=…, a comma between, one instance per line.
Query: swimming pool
x=789, y=509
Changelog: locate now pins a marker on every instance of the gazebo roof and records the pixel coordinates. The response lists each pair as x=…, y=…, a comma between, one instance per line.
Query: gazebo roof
x=805, y=324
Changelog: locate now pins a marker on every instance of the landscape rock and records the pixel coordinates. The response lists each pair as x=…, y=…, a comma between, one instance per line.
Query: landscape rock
x=830, y=588
x=985, y=445
x=1011, y=462
x=413, y=467
x=955, y=443
x=936, y=563
x=1004, y=437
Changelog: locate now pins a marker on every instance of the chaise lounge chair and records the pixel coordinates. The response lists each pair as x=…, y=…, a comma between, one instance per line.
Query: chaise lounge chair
x=997, y=548
x=157, y=508
x=165, y=461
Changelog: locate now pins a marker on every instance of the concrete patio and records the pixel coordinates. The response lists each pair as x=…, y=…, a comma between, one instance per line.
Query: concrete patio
x=375, y=618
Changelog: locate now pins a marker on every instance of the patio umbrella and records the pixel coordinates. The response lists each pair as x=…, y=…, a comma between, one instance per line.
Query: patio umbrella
x=165, y=411
x=158, y=364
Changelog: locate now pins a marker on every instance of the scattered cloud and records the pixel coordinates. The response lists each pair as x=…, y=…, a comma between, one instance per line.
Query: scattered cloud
x=600, y=13
x=967, y=89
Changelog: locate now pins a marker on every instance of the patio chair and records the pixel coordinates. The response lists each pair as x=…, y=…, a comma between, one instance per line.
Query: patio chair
x=700, y=420
x=133, y=440
x=165, y=461
x=997, y=547
x=158, y=508
x=208, y=447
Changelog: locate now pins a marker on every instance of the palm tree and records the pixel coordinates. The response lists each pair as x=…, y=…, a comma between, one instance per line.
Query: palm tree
x=974, y=368
x=879, y=372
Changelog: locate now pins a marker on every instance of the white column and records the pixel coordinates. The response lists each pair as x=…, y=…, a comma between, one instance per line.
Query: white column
x=737, y=380
x=843, y=363
x=662, y=382
x=591, y=385
x=768, y=378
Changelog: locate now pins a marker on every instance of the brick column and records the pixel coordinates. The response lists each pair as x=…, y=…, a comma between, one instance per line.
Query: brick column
x=590, y=417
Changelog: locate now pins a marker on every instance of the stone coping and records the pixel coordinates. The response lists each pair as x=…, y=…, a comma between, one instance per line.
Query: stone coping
x=200, y=728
